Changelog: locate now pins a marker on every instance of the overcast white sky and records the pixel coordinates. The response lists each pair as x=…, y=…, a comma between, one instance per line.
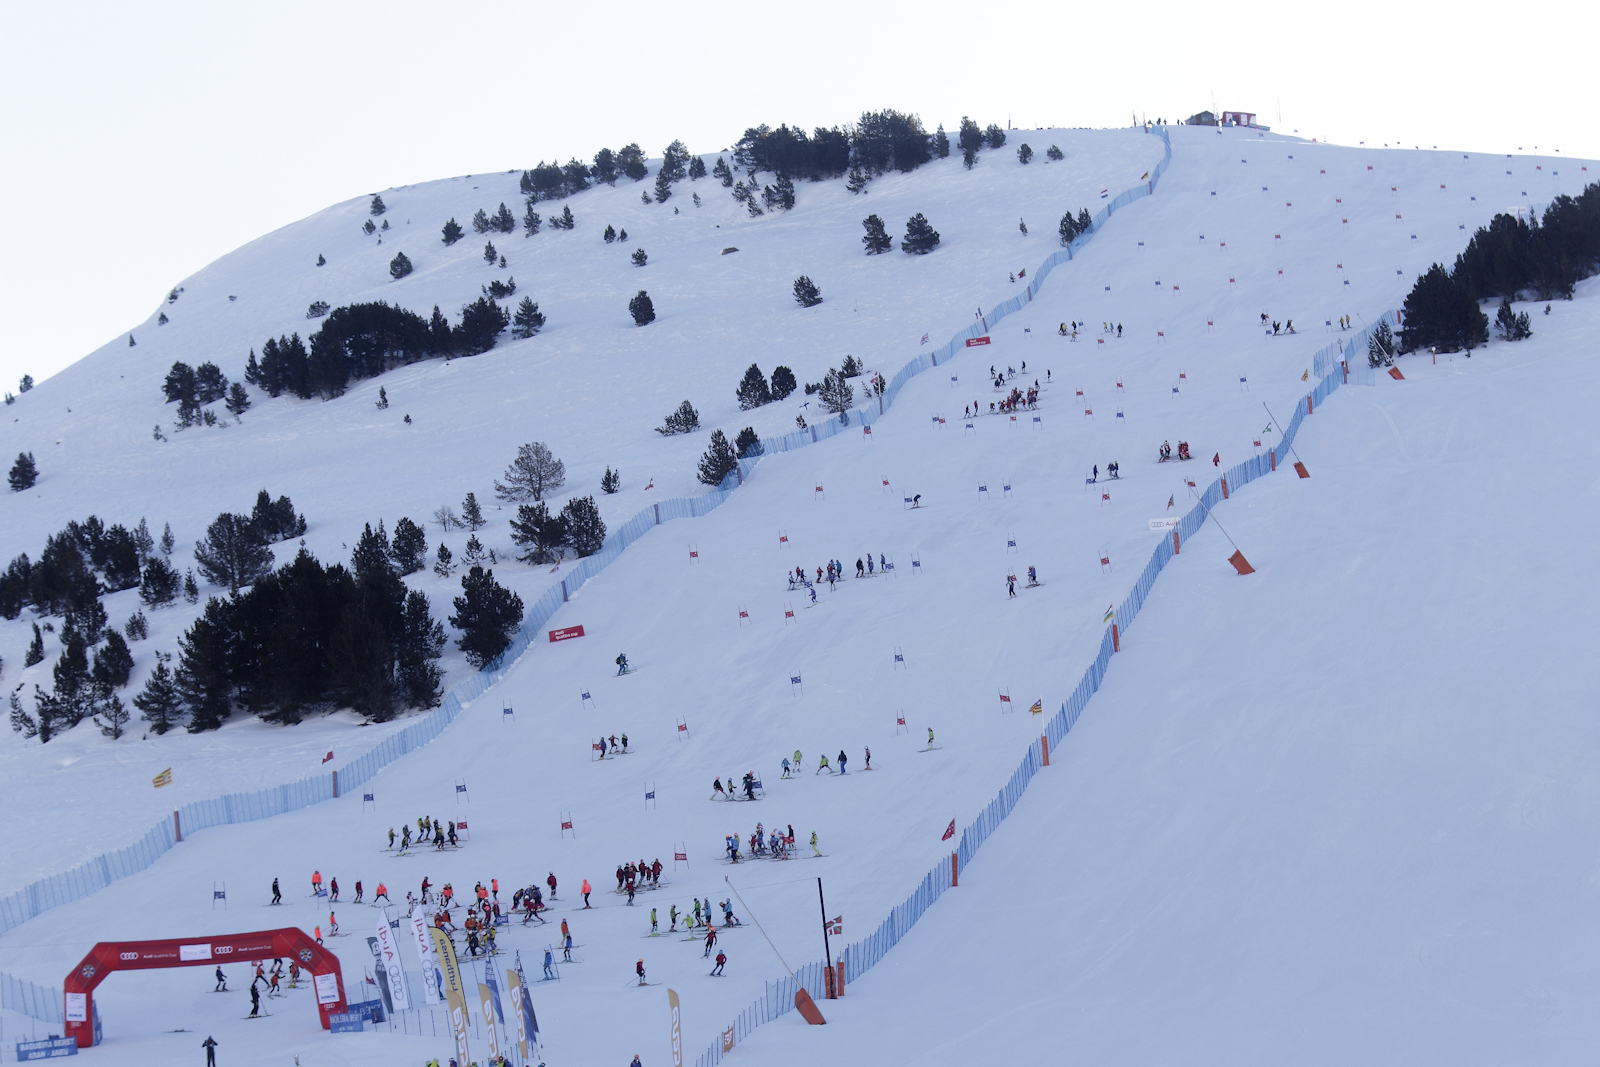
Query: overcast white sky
x=140, y=141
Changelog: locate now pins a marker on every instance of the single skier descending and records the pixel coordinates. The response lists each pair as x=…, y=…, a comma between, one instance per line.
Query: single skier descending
x=277, y=897
x=622, y=663
x=222, y=982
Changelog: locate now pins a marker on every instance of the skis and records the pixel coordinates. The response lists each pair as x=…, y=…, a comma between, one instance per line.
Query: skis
x=931, y=748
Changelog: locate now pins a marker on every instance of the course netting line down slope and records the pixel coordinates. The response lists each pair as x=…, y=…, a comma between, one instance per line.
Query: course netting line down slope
x=861, y=956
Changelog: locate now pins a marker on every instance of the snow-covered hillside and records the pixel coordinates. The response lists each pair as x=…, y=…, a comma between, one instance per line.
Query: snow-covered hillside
x=1241, y=224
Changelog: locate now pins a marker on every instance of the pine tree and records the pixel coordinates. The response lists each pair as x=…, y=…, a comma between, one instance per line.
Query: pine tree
x=644, y=198
x=806, y=293
x=921, y=238
x=35, y=648
x=1512, y=326
x=696, y=197
x=474, y=554
x=941, y=143
x=528, y=320
x=969, y=156
x=1068, y=229
x=1054, y=153
x=1024, y=155
x=444, y=566
x=1380, y=345
x=697, y=169
x=452, y=232
x=836, y=394
x=233, y=552
x=753, y=207
x=472, y=514
x=408, y=548
x=159, y=583
x=1085, y=220
x=784, y=192
x=539, y=534
x=631, y=159
x=24, y=472
x=622, y=236
x=747, y=444
x=131, y=342
x=167, y=540
x=857, y=181
x=399, y=266
x=663, y=186
x=377, y=207
x=533, y=473
x=685, y=420
x=969, y=137
x=1441, y=313
x=113, y=663
x=158, y=704
x=585, y=530
x=420, y=644
x=203, y=674
x=565, y=222
x=137, y=626
x=994, y=135
x=382, y=403
x=440, y=341
x=1022, y=224
x=610, y=234
x=238, y=401
x=640, y=258
x=369, y=228
x=111, y=715
x=718, y=461
x=487, y=614
x=877, y=239
x=530, y=221
x=26, y=384
x=479, y=330
x=320, y=261
x=783, y=382
x=642, y=310
x=480, y=222
x=489, y=254
x=753, y=390
x=610, y=481
x=605, y=166
x=191, y=591
x=503, y=220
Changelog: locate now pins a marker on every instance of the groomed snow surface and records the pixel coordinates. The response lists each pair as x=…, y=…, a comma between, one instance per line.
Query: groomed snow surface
x=1325, y=812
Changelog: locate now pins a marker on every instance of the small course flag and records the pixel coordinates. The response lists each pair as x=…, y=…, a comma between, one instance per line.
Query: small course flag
x=949, y=831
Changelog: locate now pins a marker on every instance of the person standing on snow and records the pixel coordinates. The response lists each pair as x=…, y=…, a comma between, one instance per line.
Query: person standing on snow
x=549, y=963
x=210, y=1045
x=586, y=892
x=721, y=961
x=222, y=982
x=842, y=760
x=277, y=897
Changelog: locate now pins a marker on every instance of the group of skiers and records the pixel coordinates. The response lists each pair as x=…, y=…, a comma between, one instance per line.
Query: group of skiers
x=1166, y=451
x=1287, y=325
x=441, y=833
x=1113, y=471
x=834, y=571
x=632, y=877
x=263, y=979
x=749, y=786
x=774, y=844
x=613, y=748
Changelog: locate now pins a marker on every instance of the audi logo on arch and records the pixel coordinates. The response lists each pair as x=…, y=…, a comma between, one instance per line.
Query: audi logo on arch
x=221, y=950
x=129, y=956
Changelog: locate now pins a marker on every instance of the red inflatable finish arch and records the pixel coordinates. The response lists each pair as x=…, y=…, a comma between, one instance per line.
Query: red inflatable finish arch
x=327, y=983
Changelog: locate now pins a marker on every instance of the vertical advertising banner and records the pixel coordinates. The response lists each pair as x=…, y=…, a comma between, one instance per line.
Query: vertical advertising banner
x=676, y=1034
x=514, y=991
x=430, y=966
x=486, y=1005
x=389, y=960
x=455, y=992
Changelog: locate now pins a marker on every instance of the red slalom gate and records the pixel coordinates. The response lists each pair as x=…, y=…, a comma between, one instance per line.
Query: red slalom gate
x=110, y=956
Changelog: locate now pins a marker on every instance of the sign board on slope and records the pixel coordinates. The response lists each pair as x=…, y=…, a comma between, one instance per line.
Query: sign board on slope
x=566, y=633
x=1163, y=524
x=48, y=1049
x=974, y=342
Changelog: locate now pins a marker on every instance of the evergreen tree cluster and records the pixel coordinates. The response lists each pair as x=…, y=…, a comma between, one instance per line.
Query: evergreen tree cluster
x=24, y=472
x=1504, y=260
x=307, y=636
x=78, y=563
x=685, y=420
x=192, y=388
x=877, y=239
x=545, y=537
x=718, y=461
x=921, y=238
x=500, y=290
x=365, y=340
x=487, y=614
x=79, y=690
x=1071, y=227
x=806, y=293
x=553, y=181
x=753, y=391
x=790, y=153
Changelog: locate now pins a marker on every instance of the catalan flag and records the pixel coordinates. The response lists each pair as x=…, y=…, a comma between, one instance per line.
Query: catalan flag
x=1111, y=612
x=1037, y=709
x=164, y=778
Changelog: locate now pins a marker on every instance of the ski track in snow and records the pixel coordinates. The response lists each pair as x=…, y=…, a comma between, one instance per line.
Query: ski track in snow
x=1178, y=849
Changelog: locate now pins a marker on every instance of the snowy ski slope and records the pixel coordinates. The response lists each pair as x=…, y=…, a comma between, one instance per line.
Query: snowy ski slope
x=678, y=621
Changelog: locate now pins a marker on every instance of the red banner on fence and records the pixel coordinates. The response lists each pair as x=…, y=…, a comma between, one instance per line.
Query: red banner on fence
x=566, y=633
x=973, y=342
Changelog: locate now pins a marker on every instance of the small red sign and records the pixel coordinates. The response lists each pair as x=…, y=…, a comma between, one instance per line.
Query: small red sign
x=566, y=633
x=974, y=342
